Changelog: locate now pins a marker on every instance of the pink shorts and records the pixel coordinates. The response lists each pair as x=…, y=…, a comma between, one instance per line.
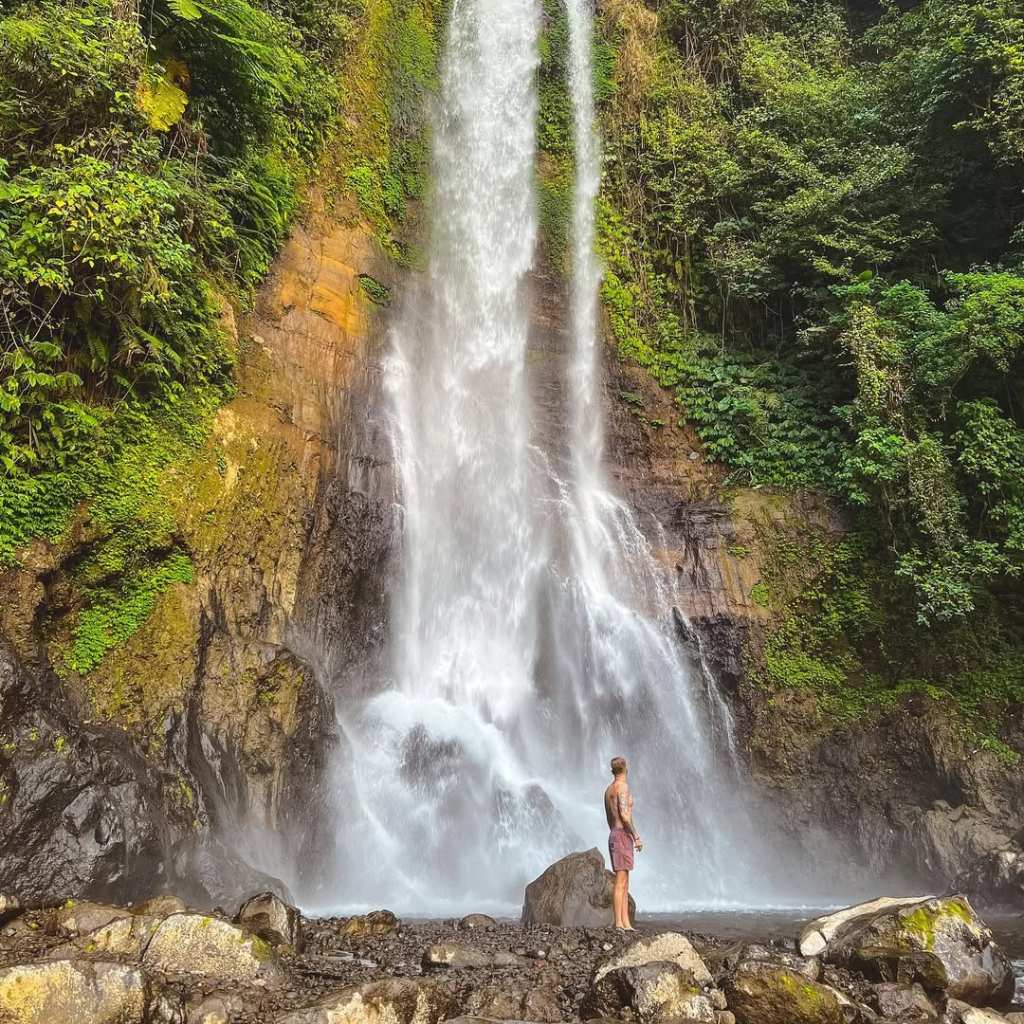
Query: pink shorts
x=620, y=849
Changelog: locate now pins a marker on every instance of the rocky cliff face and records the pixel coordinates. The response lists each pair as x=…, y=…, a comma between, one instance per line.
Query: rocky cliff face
x=194, y=751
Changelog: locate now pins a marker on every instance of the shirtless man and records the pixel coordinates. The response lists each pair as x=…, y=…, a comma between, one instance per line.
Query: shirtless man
x=618, y=806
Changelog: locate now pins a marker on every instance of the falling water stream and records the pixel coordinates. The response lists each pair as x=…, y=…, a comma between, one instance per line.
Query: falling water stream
x=532, y=635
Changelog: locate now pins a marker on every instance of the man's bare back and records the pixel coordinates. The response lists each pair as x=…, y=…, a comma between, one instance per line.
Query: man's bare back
x=615, y=795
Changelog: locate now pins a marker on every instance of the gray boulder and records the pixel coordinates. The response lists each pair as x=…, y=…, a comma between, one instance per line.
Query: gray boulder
x=84, y=992
x=765, y=993
x=958, y=1012
x=533, y=999
x=667, y=946
x=269, y=917
x=125, y=937
x=658, y=991
x=211, y=946
x=78, y=918
x=900, y=1002
x=575, y=891
x=938, y=942
x=391, y=1001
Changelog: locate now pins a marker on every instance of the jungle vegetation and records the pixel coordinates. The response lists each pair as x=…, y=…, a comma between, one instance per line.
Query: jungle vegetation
x=813, y=230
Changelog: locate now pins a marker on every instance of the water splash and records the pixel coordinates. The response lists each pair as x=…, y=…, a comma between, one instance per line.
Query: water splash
x=532, y=635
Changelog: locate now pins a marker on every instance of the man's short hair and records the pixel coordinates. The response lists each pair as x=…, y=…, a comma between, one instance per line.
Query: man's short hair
x=618, y=765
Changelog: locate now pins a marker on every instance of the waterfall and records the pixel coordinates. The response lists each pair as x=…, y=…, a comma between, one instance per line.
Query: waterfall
x=532, y=635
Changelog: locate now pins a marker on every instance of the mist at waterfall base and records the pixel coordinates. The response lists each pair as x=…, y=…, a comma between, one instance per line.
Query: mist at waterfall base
x=531, y=629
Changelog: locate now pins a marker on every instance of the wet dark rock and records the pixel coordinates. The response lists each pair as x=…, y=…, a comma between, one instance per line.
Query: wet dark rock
x=575, y=891
x=657, y=991
x=764, y=993
x=84, y=811
x=269, y=917
x=221, y=878
x=899, y=1002
x=10, y=907
x=940, y=943
x=84, y=992
x=214, y=948
x=471, y=921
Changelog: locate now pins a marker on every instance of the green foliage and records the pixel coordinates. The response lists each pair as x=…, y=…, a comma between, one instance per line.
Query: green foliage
x=383, y=145
x=377, y=293
x=151, y=165
x=115, y=613
x=812, y=234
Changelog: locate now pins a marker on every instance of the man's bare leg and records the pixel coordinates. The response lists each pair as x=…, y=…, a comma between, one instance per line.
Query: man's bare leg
x=620, y=899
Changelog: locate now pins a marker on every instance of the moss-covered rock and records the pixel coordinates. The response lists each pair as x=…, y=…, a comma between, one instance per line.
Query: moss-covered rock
x=940, y=942
x=92, y=992
x=191, y=943
x=763, y=993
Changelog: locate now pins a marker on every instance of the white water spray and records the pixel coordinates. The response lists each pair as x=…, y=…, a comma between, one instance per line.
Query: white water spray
x=531, y=629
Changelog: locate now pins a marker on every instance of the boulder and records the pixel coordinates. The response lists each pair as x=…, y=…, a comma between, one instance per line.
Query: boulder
x=219, y=877
x=159, y=906
x=667, y=946
x=195, y=943
x=817, y=935
x=764, y=993
x=450, y=954
x=391, y=1001
x=482, y=922
x=269, y=917
x=809, y=967
x=380, y=922
x=657, y=991
x=958, y=1012
x=574, y=892
x=534, y=999
x=124, y=937
x=216, y=1008
x=901, y=1002
x=79, y=918
x=940, y=943
x=84, y=992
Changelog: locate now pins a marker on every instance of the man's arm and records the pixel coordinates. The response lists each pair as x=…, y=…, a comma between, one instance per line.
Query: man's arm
x=624, y=805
